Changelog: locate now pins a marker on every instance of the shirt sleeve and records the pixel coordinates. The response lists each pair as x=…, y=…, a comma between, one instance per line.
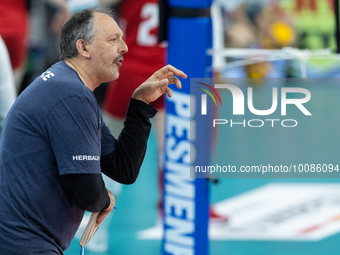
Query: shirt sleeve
x=123, y=161
x=89, y=190
x=74, y=134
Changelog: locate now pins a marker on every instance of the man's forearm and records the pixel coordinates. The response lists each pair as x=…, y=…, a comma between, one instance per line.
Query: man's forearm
x=89, y=190
x=123, y=164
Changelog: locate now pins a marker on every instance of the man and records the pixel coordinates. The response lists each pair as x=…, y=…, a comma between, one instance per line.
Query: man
x=54, y=143
x=139, y=22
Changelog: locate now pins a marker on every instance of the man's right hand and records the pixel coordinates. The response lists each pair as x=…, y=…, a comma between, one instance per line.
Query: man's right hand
x=158, y=83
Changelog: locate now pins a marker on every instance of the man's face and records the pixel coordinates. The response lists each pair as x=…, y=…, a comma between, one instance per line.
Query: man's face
x=107, y=48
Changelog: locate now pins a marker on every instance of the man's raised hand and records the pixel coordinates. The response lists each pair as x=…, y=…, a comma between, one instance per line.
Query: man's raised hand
x=158, y=83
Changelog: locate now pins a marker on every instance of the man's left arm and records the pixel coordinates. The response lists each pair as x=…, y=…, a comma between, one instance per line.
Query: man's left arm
x=124, y=162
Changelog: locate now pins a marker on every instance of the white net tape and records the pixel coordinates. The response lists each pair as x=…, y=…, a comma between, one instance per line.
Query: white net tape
x=252, y=56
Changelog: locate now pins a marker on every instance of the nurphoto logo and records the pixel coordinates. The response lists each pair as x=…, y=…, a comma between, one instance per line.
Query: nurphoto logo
x=238, y=104
x=204, y=97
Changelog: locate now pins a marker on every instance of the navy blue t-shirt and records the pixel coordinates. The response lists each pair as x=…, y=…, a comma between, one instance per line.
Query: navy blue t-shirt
x=54, y=128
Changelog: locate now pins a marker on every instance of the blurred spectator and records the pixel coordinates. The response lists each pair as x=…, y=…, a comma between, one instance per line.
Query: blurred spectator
x=258, y=25
x=46, y=19
x=14, y=31
x=7, y=87
x=315, y=23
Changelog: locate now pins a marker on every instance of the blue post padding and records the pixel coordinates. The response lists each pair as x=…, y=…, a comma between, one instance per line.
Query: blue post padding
x=190, y=3
x=188, y=50
x=189, y=39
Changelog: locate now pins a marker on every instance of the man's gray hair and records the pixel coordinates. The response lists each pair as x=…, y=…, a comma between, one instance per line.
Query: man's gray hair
x=79, y=26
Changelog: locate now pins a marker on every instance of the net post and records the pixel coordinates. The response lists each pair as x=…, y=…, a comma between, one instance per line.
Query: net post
x=186, y=199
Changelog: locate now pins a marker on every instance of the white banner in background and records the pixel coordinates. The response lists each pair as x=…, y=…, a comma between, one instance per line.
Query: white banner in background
x=276, y=212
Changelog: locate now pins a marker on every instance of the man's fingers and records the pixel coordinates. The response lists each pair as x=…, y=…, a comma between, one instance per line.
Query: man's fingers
x=158, y=83
x=171, y=80
x=165, y=82
x=175, y=80
x=104, y=213
x=101, y=217
x=176, y=71
x=168, y=91
x=168, y=71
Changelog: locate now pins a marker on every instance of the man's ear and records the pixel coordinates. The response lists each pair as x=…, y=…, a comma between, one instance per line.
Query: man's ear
x=81, y=47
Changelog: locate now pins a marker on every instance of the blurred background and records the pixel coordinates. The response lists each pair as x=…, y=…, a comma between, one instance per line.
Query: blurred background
x=257, y=39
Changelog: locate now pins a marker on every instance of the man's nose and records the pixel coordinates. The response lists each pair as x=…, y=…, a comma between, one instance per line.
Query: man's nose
x=123, y=48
